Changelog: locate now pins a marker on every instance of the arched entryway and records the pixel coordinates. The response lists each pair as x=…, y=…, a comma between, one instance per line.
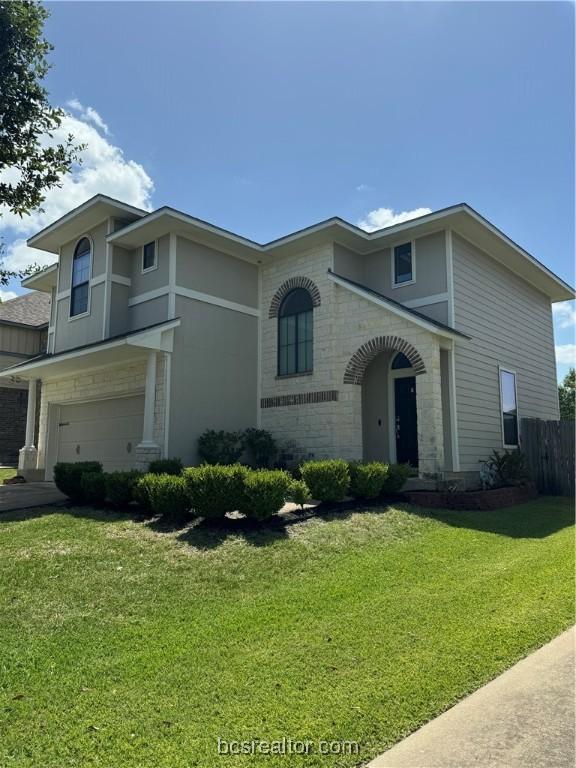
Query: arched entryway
x=386, y=368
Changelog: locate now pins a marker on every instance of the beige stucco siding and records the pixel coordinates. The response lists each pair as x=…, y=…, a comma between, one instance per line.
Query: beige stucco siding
x=155, y=278
x=88, y=328
x=213, y=374
x=430, y=261
x=148, y=313
x=510, y=323
x=208, y=271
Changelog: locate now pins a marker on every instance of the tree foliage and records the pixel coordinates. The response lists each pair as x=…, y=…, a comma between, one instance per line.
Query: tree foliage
x=30, y=164
x=567, y=395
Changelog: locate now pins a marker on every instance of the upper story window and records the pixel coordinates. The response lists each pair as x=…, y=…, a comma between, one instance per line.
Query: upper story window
x=509, y=404
x=80, y=286
x=149, y=257
x=403, y=267
x=295, y=333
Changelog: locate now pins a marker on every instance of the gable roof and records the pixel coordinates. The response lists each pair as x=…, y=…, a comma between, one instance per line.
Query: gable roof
x=32, y=309
x=397, y=308
x=461, y=218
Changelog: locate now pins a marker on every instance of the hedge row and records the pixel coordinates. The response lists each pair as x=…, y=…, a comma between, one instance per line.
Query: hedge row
x=212, y=491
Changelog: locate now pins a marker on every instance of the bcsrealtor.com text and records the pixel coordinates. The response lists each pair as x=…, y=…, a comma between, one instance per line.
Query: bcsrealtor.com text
x=286, y=746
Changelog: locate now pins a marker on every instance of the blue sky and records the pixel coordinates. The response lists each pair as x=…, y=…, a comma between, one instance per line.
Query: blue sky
x=266, y=117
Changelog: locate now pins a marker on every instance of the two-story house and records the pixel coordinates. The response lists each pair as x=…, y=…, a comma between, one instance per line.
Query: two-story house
x=23, y=335
x=425, y=342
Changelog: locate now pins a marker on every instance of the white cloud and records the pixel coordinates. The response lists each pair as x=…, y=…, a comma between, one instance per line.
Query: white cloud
x=566, y=353
x=565, y=314
x=364, y=188
x=104, y=169
x=88, y=114
x=7, y=295
x=385, y=217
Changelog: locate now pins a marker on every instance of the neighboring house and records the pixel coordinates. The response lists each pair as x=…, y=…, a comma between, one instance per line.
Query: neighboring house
x=23, y=334
x=425, y=342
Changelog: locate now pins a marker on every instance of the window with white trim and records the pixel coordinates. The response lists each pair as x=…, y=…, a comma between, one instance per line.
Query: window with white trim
x=149, y=256
x=403, y=264
x=509, y=404
x=80, y=287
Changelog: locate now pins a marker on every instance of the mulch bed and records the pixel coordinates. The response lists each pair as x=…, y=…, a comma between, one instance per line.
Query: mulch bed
x=495, y=498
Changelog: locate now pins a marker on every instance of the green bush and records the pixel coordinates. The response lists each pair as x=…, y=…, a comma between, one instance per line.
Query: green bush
x=166, y=467
x=120, y=486
x=215, y=489
x=220, y=447
x=169, y=496
x=141, y=491
x=68, y=477
x=298, y=493
x=396, y=478
x=93, y=487
x=509, y=467
x=367, y=480
x=328, y=480
x=260, y=447
x=264, y=492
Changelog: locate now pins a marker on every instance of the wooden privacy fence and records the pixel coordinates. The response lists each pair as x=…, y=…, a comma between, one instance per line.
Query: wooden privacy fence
x=549, y=450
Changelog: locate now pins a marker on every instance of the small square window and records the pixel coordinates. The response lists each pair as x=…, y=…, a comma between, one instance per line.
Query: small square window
x=403, y=265
x=149, y=256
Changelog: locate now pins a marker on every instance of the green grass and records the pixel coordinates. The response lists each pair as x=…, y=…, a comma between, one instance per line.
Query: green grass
x=5, y=473
x=126, y=646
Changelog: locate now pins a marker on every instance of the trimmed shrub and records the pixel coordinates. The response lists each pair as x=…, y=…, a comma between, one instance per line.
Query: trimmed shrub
x=298, y=493
x=169, y=496
x=141, y=491
x=93, y=486
x=68, y=477
x=215, y=489
x=367, y=480
x=165, y=467
x=220, y=447
x=260, y=447
x=328, y=480
x=396, y=478
x=264, y=493
x=120, y=486
x=508, y=467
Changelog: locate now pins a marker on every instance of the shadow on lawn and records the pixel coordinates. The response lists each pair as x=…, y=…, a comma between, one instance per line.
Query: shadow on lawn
x=530, y=520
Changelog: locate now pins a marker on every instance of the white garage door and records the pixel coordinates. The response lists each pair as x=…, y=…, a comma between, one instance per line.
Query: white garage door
x=103, y=430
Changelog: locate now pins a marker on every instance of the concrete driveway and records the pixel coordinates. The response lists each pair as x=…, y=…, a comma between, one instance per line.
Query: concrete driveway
x=522, y=719
x=28, y=495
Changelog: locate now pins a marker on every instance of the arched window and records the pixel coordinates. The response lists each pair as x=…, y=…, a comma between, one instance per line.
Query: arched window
x=80, y=278
x=295, y=333
x=400, y=361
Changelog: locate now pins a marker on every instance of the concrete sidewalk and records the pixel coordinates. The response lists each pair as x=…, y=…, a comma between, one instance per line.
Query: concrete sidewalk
x=28, y=495
x=522, y=719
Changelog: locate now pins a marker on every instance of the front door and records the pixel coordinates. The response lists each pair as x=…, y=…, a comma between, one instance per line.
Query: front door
x=406, y=424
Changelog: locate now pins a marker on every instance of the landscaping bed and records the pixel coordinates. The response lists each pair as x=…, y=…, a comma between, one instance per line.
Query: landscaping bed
x=493, y=498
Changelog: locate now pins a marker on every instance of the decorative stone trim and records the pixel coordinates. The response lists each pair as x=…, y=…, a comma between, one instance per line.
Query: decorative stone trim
x=363, y=356
x=304, y=398
x=294, y=282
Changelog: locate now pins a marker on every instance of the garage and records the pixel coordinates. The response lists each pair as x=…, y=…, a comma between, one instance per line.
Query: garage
x=101, y=430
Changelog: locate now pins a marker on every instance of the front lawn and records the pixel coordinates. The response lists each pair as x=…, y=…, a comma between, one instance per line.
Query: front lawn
x=6, y=472
x=122, y=645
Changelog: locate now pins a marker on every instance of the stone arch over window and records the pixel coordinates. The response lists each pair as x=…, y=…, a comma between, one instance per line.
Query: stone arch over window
x=363, y=356
x=290, y=285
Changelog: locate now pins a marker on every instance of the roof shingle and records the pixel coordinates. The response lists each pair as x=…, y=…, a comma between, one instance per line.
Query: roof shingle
x=29, y=309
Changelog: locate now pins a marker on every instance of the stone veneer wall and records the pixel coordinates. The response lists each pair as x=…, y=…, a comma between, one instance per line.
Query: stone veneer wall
x=107, y=382
x=331, y=426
